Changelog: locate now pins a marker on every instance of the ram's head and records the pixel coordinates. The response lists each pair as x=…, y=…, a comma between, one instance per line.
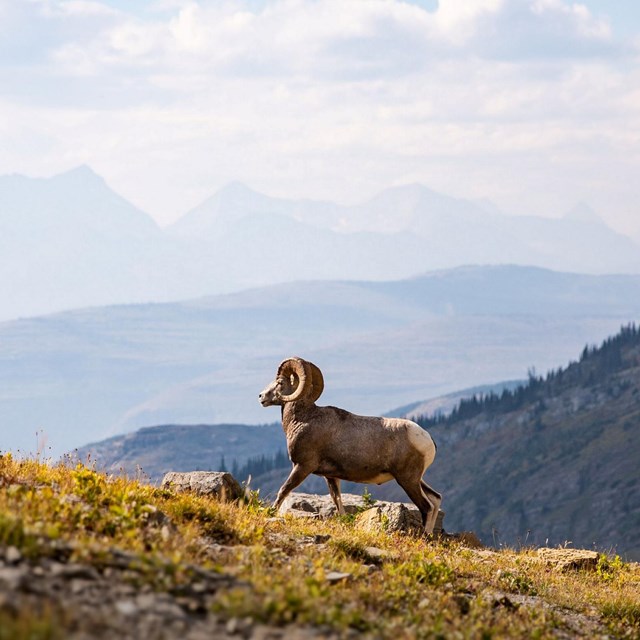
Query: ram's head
x=296, y=380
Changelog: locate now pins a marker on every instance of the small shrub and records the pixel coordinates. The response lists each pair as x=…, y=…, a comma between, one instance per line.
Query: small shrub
x=609, y=568
x=368, y=500
x=88, y=484
x=428, y=573
x=517, y=583
x=206, y=516
x=11, y=530
x=351, y=549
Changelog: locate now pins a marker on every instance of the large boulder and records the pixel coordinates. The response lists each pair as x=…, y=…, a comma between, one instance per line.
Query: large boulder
x=217, y=484
x=395, y=516
x=569, y=559
x=390, y=516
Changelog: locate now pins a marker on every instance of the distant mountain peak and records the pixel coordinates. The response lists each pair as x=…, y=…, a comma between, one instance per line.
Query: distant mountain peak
x=82, y=176
x=81, y=171
x=232, y=202
x=413, y=190
x=582, y=212
x=236, y=187
x=237, y=192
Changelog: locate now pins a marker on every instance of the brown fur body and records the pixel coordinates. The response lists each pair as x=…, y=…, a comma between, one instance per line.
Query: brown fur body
x=340, y=445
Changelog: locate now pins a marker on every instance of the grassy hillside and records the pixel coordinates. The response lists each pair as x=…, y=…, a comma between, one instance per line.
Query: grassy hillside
x=83, y=555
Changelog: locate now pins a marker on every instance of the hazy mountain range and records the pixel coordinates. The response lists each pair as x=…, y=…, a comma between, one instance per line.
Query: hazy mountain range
x=85, y=374
x=69, y=241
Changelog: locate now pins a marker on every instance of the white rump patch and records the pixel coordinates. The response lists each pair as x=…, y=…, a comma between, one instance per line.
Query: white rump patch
x=422, y=441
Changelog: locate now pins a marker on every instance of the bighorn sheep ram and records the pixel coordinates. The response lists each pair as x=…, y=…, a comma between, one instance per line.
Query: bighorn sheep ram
x=339, y=445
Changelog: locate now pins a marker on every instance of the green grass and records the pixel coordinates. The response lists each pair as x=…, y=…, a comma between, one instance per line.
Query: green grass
x=422, y=589
x=29, y=625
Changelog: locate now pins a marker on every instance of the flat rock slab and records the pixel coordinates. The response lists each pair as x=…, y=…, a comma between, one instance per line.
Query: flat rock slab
x=392, y=516
x=333, y=577
x=218, y=484
x=310, y=504
x=569, y=559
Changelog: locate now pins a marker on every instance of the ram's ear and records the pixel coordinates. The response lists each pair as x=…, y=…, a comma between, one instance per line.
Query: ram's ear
x=317, y=386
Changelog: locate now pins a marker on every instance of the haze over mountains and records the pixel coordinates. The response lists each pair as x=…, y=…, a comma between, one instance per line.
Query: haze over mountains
x=69, y=241
x=348, y=297
x=85, y=374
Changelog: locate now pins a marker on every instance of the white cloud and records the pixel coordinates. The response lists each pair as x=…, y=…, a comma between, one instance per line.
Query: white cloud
x=85, y=8
x=586, y=24
x=510, y=99
x=458, y=20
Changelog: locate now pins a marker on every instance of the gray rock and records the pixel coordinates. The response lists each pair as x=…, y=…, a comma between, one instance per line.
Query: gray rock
x=390, y=517
x=218, y=484
x=146, y=601
x=569, y=559
x=333, y=577
x=77, y=586
x=397, y=516
x=12, y=555
x=322, y=506
x=13, y=578
x=169, y=609
x=239, y=626
x=126, y=607
x=378, y=556
x=394, y=516
x=74, y=571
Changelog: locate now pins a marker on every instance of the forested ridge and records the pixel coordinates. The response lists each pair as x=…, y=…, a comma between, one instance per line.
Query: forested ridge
x=596, y=364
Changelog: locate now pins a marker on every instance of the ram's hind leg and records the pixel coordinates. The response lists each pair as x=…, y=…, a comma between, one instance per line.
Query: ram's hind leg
x=428, y=510
x=436, y=499
x=334, y=491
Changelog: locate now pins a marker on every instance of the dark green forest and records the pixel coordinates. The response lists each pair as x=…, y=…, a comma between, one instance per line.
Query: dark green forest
x=596, y=364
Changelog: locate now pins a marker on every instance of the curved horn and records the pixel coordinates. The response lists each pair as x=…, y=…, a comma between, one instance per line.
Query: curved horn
x=301, y=370
x=318, y=382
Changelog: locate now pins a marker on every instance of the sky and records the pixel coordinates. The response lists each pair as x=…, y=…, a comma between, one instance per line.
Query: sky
x=532, y=104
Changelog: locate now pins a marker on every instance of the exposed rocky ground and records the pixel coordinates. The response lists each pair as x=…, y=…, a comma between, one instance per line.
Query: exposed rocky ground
x=111, y=593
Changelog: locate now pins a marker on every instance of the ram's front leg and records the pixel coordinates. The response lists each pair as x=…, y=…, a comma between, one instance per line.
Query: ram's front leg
x=296, y=477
